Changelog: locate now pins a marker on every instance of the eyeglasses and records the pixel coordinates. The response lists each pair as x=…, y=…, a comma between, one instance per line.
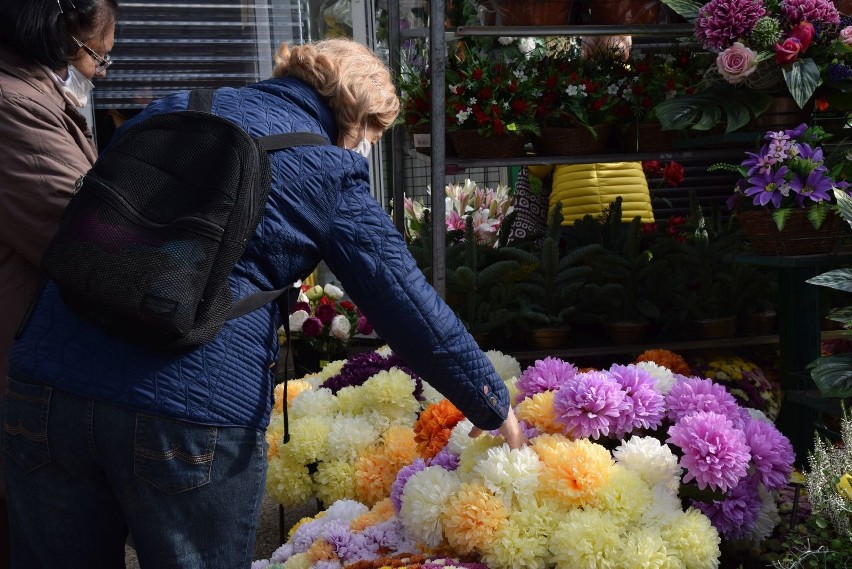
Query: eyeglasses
x=102, y=62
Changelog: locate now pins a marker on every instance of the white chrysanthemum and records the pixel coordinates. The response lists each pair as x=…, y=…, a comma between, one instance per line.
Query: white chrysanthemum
x=526, y=45
x=314, y=380
x=586, y=538
x=297, y=319
x=315, y=403
x=333, y=292
x=665, y=505
x=289, y=484
x=663, y=377
x=651, y=459
x=505, y=40
x=347, y=436
x=431, y=396
x=691, y=537
x=767, y=518
x=512, y=386
x=507, y=366
x=460, y=437
x=510, y=473
x=642, y=547
x=340, y=328
x=331, y=369
x=423, y=500
x=384, y=351
x=758, y=415
x=346, y=510
x=625, y=495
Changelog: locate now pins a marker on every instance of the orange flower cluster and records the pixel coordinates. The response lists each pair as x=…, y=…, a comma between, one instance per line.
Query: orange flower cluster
x=666, y=358
x=434, y=427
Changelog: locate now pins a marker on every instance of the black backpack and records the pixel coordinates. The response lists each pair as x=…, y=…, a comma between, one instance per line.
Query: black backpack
x=153, y=230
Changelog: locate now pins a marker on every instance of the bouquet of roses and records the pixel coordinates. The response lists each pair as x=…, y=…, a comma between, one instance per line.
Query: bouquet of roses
x=324, y=319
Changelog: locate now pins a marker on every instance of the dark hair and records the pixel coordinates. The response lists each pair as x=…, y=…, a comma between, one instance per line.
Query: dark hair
x=40, y=30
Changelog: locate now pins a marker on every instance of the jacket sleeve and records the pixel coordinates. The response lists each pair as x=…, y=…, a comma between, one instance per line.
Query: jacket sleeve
x=369, y=256
x=40, y=165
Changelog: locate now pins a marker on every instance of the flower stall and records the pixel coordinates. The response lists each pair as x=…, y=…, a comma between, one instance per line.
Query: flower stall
x=631, y=466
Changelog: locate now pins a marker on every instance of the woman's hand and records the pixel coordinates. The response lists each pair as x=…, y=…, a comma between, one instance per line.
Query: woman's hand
x=510, y=430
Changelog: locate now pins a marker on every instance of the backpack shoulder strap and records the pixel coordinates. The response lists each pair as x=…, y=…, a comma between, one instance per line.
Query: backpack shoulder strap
x=201, y=100
x=273, y=142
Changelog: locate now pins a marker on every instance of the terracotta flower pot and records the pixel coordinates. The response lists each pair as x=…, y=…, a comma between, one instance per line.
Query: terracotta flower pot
x=715, y=328
x=548, y=338
x=625, y=332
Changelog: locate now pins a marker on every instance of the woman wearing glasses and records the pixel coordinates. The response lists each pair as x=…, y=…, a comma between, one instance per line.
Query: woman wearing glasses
x=50, y=50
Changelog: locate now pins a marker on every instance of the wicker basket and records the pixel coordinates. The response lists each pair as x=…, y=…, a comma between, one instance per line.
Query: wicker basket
x=572, y=140
x=471, y=144
x=798, y=237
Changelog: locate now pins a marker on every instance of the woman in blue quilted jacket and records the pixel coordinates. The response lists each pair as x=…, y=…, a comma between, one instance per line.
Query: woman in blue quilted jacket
x=105, y=438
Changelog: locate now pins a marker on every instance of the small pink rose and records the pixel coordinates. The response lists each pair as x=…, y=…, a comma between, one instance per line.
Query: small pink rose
x=736, y=63
x=788, y=51
x=846, y=35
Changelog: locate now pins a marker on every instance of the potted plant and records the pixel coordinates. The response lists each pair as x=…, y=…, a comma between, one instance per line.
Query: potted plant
x=490, y=100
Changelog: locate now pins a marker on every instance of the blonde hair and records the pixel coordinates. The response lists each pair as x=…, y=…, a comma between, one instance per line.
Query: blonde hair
x=356, y=84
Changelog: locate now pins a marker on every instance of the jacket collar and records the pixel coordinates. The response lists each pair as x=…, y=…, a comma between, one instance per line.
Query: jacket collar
x=304, y=96
x=33, y=74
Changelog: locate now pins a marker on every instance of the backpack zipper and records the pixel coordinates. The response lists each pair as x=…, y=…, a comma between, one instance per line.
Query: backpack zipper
x=202, y=227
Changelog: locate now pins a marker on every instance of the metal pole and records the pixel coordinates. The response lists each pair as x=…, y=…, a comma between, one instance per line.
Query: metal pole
x=437, y=63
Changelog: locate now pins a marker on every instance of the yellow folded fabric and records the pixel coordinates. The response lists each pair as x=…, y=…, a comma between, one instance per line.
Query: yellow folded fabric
x=586, y=189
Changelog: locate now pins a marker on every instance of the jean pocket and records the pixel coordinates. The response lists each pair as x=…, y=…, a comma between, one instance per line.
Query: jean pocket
x=25, y=416
x=173, y=456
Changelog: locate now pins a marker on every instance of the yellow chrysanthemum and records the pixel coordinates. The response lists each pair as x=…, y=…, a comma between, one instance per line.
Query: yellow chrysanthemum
x=586, y=538
x=308, y=436
x=538, y=412
x=334, y=480
x=474, y=452
x=374, y=475
x=643, y=548
x=288, y=484
x=691, y=537
x=523, y=540
x=391, y=393
x=314, y=403
x=625, y=495
x=349, y=400
x=321, y=550
x=298, y=561
x=274, y=436
x=331, y=369
x=471, y=517
x=573, y=471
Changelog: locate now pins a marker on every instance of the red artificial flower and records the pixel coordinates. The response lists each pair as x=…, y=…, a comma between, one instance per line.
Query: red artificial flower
x=347, y=305
x=804, y=32
x=476, y=74
x=821, y=104
x=788, y=51
x=673, y=173
x=652, y=167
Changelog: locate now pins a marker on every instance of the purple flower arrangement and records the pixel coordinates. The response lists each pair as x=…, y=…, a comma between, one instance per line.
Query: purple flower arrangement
x=791, y=170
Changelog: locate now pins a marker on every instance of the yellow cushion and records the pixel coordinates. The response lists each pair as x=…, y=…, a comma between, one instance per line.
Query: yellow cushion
x=586, y=189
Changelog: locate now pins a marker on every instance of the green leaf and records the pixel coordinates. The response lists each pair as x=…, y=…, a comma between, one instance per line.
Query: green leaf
x=684, y=8
x=802, y=78
x=840, y=279
x=844, y=204
x=833, y=375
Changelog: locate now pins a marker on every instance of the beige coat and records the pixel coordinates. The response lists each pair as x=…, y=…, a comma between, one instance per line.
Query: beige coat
x=45, y=146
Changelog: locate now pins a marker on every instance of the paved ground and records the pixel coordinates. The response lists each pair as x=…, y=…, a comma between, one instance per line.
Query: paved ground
x=268, y=531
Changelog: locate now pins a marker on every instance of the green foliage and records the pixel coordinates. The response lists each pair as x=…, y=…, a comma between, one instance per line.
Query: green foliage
x=706, y=108
x=688, y=9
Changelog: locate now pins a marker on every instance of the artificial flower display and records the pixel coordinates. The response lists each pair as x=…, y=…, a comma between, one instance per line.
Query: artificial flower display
x=632, y=466
x=324, y=319
x=790, y=171
x=352, y=428
x=745, y=380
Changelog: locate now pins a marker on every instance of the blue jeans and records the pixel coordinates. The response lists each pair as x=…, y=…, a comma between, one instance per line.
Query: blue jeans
x=82, y=474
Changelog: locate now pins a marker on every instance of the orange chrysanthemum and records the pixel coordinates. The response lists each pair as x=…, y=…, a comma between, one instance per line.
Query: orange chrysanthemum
x=538, y=412
x=573, y=471
x=321, y=550
x=295, y=387
x=434, y=427
x=398, y=446
x=381, y=512
x=374, y=475
x=472, y=516
x=667, y=359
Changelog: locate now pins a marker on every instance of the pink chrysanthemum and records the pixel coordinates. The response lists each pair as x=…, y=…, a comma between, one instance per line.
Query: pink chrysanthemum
x=771, y=452
x=590, y=405
x=715, y=453
x=547, y=374
x=722, y=22
x=695, y=394
x=813, y=11
x=645, y=405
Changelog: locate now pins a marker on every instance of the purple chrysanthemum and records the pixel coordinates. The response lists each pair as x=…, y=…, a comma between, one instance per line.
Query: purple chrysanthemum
x=590, y=405
x=548, y=374
x=305, y=535
x=645, y=405
x=695, y=394
x=361, y=367
x=445, y=459
x=771, y=453
x=402, y=477
x=736, y=515
x=813, y=11
x=715, y=453
x=350, y=547
x=722, y=22
x=389, y=536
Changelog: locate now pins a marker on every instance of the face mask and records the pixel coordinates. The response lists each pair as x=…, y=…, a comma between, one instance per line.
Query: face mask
x=77, y=87
x=364, y=146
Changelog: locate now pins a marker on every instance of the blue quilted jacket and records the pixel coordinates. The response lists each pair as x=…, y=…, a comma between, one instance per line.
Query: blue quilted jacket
x=320, y=207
